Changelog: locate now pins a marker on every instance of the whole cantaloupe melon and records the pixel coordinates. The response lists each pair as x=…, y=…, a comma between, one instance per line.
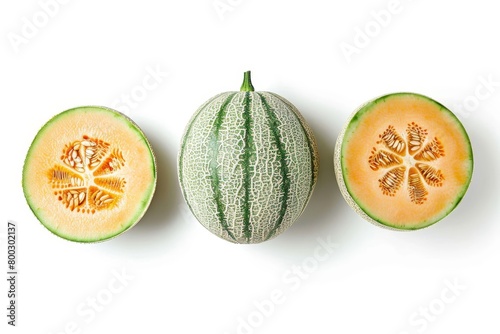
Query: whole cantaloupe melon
x=247, y=165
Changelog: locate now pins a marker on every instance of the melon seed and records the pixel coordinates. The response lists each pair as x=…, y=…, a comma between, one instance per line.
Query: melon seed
x=81, y=197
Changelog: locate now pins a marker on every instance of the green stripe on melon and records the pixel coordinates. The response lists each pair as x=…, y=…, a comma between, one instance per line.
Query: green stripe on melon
x=247, y=165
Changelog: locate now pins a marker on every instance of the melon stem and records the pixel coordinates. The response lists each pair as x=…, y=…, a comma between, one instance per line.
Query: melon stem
x=247, y=83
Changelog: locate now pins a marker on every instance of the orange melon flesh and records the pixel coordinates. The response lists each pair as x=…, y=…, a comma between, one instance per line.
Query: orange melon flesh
x=406, y=161
x=89, y=174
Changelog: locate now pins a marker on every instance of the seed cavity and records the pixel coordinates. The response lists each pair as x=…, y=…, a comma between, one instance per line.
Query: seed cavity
x=75, y=179
x=101, y=199
x=112, y=163
x=392, y=181
x=415, y=135
x=431, y=175
x=73, y=198
x=63, y=177
x=416, y=188
x=115, y=184
x=431, y=151
x=393, y=141
x=419, y=149
x=383, y=159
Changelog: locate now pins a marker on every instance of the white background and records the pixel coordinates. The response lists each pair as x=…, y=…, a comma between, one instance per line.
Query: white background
x=181, y=278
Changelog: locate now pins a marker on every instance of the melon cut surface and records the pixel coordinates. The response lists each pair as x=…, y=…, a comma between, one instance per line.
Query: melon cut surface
x=403, y=161
x=89, y=174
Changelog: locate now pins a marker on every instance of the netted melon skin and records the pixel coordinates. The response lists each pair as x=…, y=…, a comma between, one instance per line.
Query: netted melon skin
x=248, y=165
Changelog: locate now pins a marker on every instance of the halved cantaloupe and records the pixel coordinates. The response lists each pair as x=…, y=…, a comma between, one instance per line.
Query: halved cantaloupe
x=89, y=174
x=403, y=161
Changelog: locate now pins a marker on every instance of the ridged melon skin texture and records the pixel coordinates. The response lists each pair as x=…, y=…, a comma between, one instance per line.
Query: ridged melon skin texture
x=140, y=206
x=355, y=204
x=248, y=165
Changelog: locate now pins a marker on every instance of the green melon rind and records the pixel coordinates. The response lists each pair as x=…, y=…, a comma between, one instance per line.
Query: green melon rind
x=311, y=141
x=264, y=98
x=134, y=127
x=274, y=123
x=215, y=180
x=180, y=155
x=340, y=172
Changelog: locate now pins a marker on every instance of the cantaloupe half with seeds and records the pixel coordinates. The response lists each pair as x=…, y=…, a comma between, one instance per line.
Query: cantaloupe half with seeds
x=89, y=174
x=403, y=161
